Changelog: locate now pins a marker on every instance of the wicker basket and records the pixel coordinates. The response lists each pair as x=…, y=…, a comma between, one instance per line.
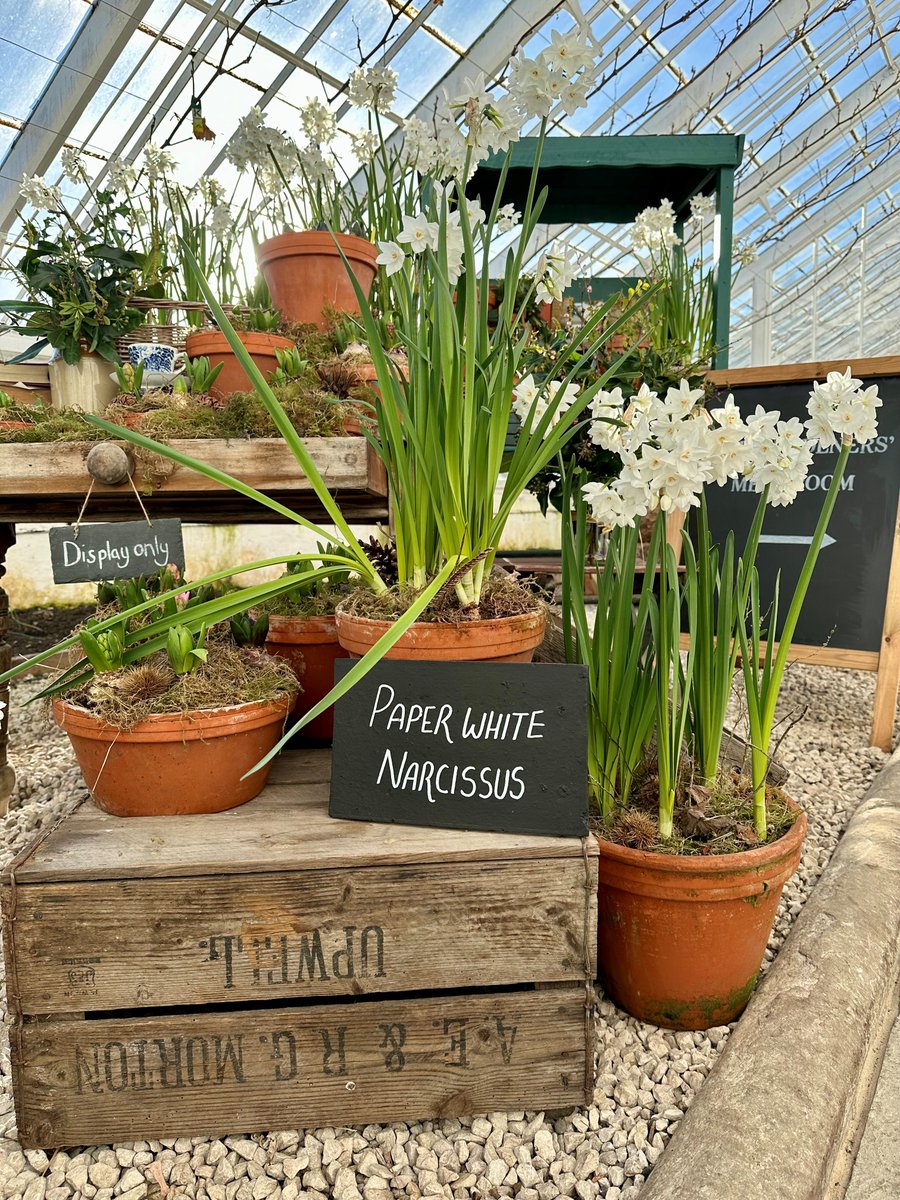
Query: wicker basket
x=171, y=331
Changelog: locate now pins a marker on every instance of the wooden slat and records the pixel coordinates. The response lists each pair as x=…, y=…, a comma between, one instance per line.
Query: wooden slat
x=286, y=827
x=129, y=944
x=88, y=1082
x=820, y=656
x=862, y=368
x=57, y=468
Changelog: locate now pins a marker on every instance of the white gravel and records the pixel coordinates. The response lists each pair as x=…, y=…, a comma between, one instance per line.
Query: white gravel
x=647, y=1077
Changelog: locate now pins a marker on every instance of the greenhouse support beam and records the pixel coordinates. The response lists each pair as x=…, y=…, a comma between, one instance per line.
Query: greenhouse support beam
x=867, y=187
x=728, y=67
x=96, y=48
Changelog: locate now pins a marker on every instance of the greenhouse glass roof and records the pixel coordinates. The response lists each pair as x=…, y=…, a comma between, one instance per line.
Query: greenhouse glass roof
x=812, y=84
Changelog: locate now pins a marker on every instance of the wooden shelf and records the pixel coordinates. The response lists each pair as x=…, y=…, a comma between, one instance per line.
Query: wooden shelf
x=48, y=481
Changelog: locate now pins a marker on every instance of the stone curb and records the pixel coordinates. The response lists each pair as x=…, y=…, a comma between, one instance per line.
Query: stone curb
x=783, y=1109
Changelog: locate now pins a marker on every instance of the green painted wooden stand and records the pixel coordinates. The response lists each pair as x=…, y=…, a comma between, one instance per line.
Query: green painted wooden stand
x=608, y=180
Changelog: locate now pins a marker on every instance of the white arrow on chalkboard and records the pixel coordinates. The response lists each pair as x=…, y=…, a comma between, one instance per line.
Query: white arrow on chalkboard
x=791, y=539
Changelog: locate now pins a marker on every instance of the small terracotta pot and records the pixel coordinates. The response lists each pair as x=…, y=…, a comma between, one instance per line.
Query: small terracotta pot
x=681, y=937
x=11, y=425
x=305, y=273
x=173, y=765
x=358, y=414
x=213, y=344
x=507, y=639
x=310, y=644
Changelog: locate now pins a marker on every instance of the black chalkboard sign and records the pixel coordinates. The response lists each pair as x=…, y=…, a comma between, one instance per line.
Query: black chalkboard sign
x=499, y=746
x=845, y=604
x=114, y=550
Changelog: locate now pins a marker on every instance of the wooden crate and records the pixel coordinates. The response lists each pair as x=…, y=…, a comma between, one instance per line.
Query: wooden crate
x=272, y=968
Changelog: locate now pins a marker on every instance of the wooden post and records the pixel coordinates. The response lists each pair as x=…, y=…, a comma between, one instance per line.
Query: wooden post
x=722, y=278
x=7, y=774
x=887, y=681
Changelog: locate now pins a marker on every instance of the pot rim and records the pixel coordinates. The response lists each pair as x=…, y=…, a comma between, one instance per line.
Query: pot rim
x=527, y=619
x=293, y=630
x=315, y=241
x=710, y=864
x=253, y=337
x=81, y=722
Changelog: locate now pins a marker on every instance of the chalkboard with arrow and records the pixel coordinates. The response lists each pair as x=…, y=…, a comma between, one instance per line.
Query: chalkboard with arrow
x=852, y=610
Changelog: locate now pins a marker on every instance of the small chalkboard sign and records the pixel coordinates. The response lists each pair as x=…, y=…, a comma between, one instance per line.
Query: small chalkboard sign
x=850, y=608
x=114, y=550
x=493, y=746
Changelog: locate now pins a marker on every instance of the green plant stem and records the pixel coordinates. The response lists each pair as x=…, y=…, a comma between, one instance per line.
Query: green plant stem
x=773, y=678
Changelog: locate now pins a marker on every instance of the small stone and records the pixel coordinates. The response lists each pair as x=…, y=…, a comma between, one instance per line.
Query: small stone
x=482, y=1127
x=136, y=1193
x=103, y=1175
x=131, y=1178
x=543, y=1145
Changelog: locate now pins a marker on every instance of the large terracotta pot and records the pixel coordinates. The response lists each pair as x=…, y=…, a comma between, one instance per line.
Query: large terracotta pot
x=213, y=344
x=305, y=273
x=310, y=644
x=682, y=937
x=507, y=639
x=172, y=765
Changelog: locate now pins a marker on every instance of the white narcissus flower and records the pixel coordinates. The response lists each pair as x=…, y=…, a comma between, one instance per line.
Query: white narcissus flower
x=476, y=214
x=569, y=52
x=525, y=392
x=72, y=165
x=211, y=190
x=841, y=410
x=372, y=87
x=507, y=218
x=364, y=145
x=41, y=195
x=702, y=207
x=122, y=176
x=681, y=401
x=531, y=85
x=318, y=121
x=420, y=144
x=420, y=233
x=221, y=222
x=391, y=257
x=158, y=162
x=654, y=228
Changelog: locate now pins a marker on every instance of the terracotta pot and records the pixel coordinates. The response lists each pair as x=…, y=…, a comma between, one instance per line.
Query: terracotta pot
x=681, y=937
x=358, y=414
x=305, y=273
x=507, y=639
x=172, y=765
x=213, y=344
x=310, y=644
x=11, y=425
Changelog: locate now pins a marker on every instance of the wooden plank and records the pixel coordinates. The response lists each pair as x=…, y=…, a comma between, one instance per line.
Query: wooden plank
x=58, y=468
x=220, y=507
x=89, y=1082
x=820, y=656
x=884, y=710
x=139, y=943
x=862, y=368
x=285, y=828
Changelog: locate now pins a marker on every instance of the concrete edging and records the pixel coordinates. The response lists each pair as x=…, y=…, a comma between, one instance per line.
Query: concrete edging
x=784, y=1107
